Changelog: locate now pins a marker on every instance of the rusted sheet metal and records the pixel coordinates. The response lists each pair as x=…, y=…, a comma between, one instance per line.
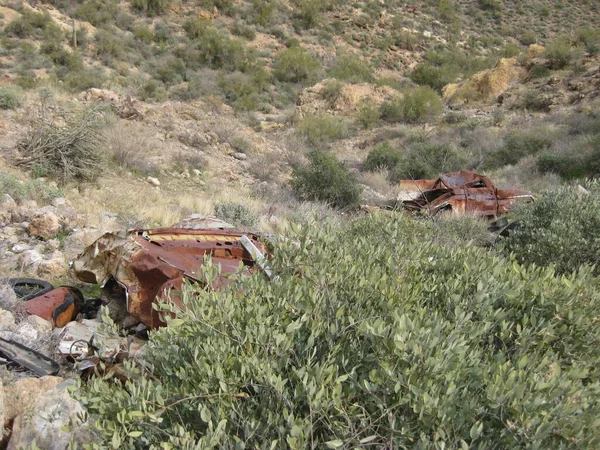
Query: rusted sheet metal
x=462, y=192
x=152, y=263
x=59, y=306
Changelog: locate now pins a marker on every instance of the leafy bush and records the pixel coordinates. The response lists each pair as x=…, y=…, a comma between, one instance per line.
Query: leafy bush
x=11, y=97
x=296, y=65
x=368, y=114
x=97, y=12
x=427, y=160
x=70, y=151
x=322, y=128
x=417, y=105
x=372, y=337
x=383, y=155
x=151, y=7
x=538, y=71
x=215, y=50
x=31, y=24
x=427, y=74
x=590, y=38
x=577, y=158
x=327, y=180
x=350, y=68
x=533, y=100
x=559, y=51
x=519, y=144
x=82, y=80
x=235, y=214
x=561, y=228
x=30, y=189
x=528, y=38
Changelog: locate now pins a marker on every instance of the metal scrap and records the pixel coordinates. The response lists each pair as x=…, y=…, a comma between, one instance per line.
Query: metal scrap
x=153, y=263
x=59, y=306
x=463, y=192
x=28, y=358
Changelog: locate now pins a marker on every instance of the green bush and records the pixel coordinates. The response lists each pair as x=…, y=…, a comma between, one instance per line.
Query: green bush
x=538, y=71
x=31, y=24
x=24, y=190
x=69, y=151
x=519, y=144
x=235, y=214
x=296, y=65
x=322, y=128
x=325, y=179
x=559, y=51
x=590, y=38
x=417, y=105
x=239, y=91
x=350, y=68
x=533, y=100
x=528, y=38
x=510, y=50
x=368, y=114
x=11, y=97
x=383, y=155
x=560, y=228
x=428, y=160
x=97, y=12
x=331, y=92
x=427, y=74
x=215, y=50
x=151, y=7
x=578, y=158
x=373, y=336
x=82, y=80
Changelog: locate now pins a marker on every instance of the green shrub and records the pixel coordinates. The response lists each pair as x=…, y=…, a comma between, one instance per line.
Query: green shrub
x=528, y=38
x=417, y=105
x=152, y=90
x=322, y=128
x=31, y=24
x=97, y=12
x=325, y=179
x=11, y=97
x=559, y=51
x=24, y=190
x=235, y=214
x=368, y=114
x=510, y=50
x=331, y=92
x=308, y=12
x=590, y=38
x=296, y=65
x=519, y=144
x=578, y=158
x=560, y=228
x=241, y=29
x=538, y=71
x=383, y=155
x=435, y=77
x=151, y=7
x=428, y=160
x=350, y=68
x=215, y=50
x=73, y=150
x=239, y=91
x=82, y=80
x=373, y=336
x=533, y=100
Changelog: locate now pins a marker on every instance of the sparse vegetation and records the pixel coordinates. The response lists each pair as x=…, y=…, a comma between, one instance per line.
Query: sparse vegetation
x=322, y=129
x=11, y=97
x=296, y=65
x=235, y=213
x=325, y=179
x=417, y=105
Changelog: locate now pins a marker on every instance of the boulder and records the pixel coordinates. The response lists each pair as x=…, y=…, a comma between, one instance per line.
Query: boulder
x=240, y=156
x=153, y=181
x=30, y=259
x=7, y=201
x=51, y=419
x=45, y=225
x=7, y=319
x=52, y=268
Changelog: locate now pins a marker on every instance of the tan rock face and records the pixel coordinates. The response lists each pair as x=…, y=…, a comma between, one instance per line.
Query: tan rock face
x=45, y=226
x=24, y=392
x=487, y=84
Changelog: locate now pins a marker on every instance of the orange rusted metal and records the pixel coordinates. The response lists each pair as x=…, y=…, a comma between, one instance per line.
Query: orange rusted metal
x=462, y=192
x=153, y=263
x=59, y=306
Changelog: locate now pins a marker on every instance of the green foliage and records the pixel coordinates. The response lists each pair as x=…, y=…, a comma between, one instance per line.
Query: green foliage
x=151, y=7
x=235, y=214
x=519, y=144
x=368, y=114
x=97, y=12
x=296, y=65
x=578, y=158
x=510, y=50
x=383, y=155
x=350, y=68
x=25, y=190
x=322, y=128
x=11, y=97
x=217, y=51
x=373, y=336
x=331, y=91
x=528, y=38
x=309, y=12
x=427, y=160
x=69, y=151
x=490, y=5
x=561, y=229
x=82, y=80
x=325, y=179
x=417, y=105
x=538, y=71
x=533, y=100
x=559, y=51
x=590, y=38
x=31, y=24
x=427, y=74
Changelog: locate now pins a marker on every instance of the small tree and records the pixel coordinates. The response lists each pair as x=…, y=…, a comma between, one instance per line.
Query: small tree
x=296, y=65
x=326, y=179
x=151, y=7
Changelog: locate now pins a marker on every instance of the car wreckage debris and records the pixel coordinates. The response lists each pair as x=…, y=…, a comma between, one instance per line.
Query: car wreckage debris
x=463, y=192
x=59, y=306
x=28, y=358
x=153, y=263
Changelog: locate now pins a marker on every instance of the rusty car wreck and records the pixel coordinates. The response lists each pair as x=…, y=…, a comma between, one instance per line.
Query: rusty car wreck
x=463, y=192
x=153, y=263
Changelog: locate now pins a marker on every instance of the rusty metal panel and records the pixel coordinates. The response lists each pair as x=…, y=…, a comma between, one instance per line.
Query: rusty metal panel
x=153, y=263
x=59, y=306
x=462, y=192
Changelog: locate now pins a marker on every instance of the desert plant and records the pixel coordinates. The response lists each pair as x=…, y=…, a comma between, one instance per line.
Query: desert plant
x=373, y=336
x=331, y=91
x=519, y=144
x=325, y=179
x=11, y=97
x=560, y=229
x=417, y=105
x=559, y=51
x=368, y=114
x=296, y=65
x=350, y=68
x=69, y=151
x=322, y=128
x=383, y=155
x=428, y=160
x=427, y=74
x=235, y=213
x=151, y=7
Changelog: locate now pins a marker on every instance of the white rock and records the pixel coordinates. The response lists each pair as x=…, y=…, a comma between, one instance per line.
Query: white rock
x=196, y=172
x=153, y=181
x=20, y=247
x=8, y=201
x=58, y=202
x=7, y=320
x=26, y=334
x=240, y=156
x=30, y=259
x=42, y=326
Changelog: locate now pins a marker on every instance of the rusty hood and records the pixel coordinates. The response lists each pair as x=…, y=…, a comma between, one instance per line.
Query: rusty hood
x=152, y=263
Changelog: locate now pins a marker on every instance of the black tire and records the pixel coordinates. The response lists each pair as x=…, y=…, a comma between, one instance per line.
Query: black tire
x=28, y=288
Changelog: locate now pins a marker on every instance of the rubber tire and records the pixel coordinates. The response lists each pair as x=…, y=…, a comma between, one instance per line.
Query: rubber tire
x=18, y=285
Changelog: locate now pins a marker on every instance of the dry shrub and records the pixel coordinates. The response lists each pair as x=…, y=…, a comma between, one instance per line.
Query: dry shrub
x=69, y=150
x=130, y=144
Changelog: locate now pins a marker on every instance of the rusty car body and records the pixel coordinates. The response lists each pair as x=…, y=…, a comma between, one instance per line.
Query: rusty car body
x=153, y=263
x=463, y=192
